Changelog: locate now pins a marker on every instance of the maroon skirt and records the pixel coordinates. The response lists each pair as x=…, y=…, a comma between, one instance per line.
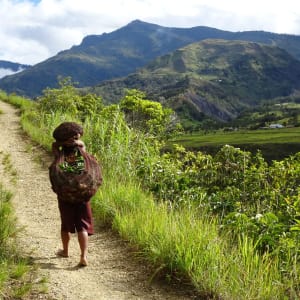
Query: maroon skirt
x=76, y=217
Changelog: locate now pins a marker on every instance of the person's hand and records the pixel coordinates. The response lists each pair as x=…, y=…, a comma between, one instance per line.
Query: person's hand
x=73, y=141
x=80, y=144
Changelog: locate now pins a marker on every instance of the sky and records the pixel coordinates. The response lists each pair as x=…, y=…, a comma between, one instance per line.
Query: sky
x=33, y=30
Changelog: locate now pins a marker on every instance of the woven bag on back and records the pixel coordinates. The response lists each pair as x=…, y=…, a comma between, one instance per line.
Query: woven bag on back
x=75, y=187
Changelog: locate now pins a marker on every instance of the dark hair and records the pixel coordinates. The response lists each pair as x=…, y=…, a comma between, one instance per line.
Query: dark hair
x=67, y=130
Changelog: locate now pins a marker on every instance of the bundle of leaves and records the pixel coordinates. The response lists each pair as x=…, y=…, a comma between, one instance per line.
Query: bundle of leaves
x=75, y=167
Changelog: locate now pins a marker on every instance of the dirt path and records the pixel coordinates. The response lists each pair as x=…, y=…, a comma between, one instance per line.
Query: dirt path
x=113, y=272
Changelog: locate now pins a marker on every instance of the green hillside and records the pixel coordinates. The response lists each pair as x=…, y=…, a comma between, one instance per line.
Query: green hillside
x=212, y=78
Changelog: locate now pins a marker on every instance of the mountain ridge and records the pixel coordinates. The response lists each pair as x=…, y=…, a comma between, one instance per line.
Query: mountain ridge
x=124, y=51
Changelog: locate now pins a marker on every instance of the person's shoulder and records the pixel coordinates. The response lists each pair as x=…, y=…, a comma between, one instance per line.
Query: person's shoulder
x=55, y=145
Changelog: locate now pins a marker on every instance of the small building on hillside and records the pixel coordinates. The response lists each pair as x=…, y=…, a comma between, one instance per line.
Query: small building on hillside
x=276, y=126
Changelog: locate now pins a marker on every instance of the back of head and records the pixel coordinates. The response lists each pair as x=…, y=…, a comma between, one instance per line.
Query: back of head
x=66, y=131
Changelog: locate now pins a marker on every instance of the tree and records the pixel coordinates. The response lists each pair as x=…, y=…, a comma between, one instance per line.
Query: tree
x=67, y=99
x=63, y=98
x=89, y=105
x=146, y=115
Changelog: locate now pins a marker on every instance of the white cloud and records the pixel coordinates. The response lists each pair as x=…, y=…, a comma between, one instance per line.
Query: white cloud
x=5, y=72
x=32, y=31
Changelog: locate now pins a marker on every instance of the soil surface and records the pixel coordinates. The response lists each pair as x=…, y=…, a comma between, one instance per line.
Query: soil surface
x=114, y=272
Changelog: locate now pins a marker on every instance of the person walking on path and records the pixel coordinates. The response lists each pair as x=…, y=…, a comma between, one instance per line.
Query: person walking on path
x=75, y=176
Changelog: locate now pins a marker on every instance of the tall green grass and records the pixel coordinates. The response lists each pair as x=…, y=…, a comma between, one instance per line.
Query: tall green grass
x=13, y=268
x=119, y=148
x=185, y=241
x=188, y=243
x=7, y=223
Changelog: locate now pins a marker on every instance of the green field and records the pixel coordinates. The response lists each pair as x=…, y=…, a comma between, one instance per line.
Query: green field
x=273, y=143
x=262, y=136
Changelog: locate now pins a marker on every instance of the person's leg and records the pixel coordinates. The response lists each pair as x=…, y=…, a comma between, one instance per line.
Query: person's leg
x=83, y=244
x=67, y=226
x=65, y=239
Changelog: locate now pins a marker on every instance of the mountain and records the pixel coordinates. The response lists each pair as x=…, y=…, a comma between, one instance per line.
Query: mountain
x=216, y=78
x=124, y=51
x=8, y=68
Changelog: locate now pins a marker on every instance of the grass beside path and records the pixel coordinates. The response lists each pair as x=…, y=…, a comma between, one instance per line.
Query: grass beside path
x=16, y=272
x=187, y=243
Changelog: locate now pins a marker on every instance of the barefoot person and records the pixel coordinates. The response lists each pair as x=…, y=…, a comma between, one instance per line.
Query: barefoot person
x=75, y=177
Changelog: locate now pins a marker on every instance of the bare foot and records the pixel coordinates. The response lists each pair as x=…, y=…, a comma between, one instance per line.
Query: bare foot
x=83, y=261
x=62, y=253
